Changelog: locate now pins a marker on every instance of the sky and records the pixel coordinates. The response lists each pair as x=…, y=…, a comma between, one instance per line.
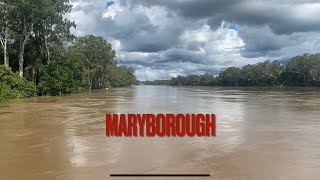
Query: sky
x=161, y=39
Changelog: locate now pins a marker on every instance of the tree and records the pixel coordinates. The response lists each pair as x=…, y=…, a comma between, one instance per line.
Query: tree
x=275, y=71
x=39, y=18
x=26, y=15
x=52, y=27
x=63, y=75
x=303, y=71
x=97, y=56
x=33, y=57
x=120, y=76
x=229, y=76
x=5, y=10
x=207, y=80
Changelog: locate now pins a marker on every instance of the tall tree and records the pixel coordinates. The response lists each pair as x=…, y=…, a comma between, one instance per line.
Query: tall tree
x=53, y=28
x=97, y=56
x=25, y=15
x=4, y=29
x=39, y=18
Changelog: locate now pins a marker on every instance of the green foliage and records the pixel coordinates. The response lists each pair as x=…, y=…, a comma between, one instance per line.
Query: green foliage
x=62, y=76
x=14, y=86
x=26, y=22
x=303, y=71
x=260, y=74
x=191, y=80
x=229, y=76
x=121, y=76
x=96, y=55
x=99, y=66
x=34, y=35
x=5, y=91
x=156, y=82
x=300, y=71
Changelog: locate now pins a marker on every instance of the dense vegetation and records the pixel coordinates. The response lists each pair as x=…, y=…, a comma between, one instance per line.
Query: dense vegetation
x=300, y=71
x=14, y=86
x=191, y=80
x=35, y=42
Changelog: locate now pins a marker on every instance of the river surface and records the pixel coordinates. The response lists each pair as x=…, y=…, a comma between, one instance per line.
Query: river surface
x=262, y=133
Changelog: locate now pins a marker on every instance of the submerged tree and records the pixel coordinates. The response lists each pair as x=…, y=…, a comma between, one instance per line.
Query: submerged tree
x=100, y=68
x=229, y=76
x=303, y=71
x=97, y=55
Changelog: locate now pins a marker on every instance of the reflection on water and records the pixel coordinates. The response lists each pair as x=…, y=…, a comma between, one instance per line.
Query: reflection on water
x=261, y=134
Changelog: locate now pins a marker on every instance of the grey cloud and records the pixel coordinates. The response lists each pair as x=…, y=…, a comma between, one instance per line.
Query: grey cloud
x=260, y=41
x=281, y=15
x=152, y=43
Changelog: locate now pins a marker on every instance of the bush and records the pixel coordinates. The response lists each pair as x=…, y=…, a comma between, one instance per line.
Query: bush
x=14, y=86
x=4, y=92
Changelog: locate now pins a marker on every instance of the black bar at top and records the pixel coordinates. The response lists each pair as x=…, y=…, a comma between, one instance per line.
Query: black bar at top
x=159, y=175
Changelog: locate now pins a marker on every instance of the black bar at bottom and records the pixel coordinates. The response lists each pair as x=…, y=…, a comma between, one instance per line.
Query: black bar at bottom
x=159, y=175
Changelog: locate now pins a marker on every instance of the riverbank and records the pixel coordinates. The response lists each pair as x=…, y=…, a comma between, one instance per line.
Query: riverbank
x=299, y=71
x=59, y=78
x=89, y=62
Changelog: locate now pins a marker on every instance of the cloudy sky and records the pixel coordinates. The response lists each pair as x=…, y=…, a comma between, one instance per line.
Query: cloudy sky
x=165, y=38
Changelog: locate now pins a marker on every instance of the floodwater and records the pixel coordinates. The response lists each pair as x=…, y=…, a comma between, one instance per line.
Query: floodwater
x=262, y=133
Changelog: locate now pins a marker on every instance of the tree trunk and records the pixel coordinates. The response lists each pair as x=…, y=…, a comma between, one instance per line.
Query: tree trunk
x=90, y=84
x=5, y=55
x=23, y=42
x=47, y=49
x=21, y=53
x=48, y=54
x=5, y=52
x=4, y=44
x=34, y=80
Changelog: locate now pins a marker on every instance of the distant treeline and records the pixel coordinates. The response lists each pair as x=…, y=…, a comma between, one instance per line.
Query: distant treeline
x=191, y=80
x=41, y=57
x=299, y=71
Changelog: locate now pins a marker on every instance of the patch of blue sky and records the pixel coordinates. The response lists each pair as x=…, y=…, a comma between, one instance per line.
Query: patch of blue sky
x=233, y=27
x=109, y=3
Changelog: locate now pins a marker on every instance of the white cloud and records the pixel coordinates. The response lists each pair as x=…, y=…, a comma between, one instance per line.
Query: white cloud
x=170, y=38
x=78, y=4
x=112, y=11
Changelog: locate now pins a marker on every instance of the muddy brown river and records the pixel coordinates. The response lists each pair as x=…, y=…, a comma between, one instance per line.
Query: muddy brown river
x=262, y=133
